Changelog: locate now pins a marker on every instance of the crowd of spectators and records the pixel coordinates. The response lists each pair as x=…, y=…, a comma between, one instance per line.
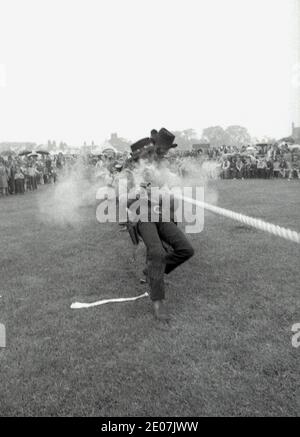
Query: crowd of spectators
x=270, y=161
x=21, y=174
x=264, y=161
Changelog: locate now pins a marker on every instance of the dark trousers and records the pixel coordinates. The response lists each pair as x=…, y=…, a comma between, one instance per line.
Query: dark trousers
x=159, y=260
x=20, y=189
x=240, y=174
x=262, y=174
x=12, y=186
x=32, y=183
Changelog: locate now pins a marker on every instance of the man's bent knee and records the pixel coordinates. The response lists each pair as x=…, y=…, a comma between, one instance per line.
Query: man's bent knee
x=157, y=255
x=188, y=252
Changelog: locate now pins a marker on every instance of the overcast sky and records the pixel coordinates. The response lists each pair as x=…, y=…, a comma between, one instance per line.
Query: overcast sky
x=77, y=70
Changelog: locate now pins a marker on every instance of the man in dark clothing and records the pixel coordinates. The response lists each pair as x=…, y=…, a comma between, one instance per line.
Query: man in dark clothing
x=167, y=246
x=11, y=177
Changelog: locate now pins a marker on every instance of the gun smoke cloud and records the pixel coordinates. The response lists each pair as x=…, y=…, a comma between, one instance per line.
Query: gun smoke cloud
x=62, y=203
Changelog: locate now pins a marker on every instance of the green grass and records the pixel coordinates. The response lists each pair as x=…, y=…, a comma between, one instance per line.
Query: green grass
x=227, y=350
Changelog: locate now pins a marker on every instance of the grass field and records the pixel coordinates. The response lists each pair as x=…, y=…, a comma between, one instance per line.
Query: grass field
x=227, y=350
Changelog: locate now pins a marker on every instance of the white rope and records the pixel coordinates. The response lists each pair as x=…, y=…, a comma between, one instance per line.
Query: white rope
x=78, y=305
x=279, y=231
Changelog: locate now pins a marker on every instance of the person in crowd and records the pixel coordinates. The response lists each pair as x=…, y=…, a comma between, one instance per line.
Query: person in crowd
x=225, y=174
x=47, y=173
x=239, y=168
x=269, y=169
x=288, y=159
x=3, y=179
x=54, y=174
x=31, y=171
x=60, y=161
x=254, y=168
x=19, y=181
x=283, y=168
x=247, y=168
x=233, y=170
x=276, y=169
x=40, y=173
x=296, y=168
x=261, y=167
x=11, y=175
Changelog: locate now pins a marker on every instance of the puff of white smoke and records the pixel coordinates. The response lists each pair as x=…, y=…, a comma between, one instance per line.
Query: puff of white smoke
x=158, y=174
x=185, y=172
x=198, y=169
x=60, y=204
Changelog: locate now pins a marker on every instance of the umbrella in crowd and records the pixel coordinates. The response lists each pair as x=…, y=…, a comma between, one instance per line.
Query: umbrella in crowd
x=42, y=152
x=251, y=149
x=25, y=152
x=33, y=155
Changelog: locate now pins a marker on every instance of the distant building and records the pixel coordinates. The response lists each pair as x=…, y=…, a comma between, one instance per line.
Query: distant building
x=118, y=143
x=296, y=134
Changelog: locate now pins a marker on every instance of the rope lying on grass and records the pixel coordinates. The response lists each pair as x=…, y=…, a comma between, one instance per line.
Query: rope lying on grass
x=279, y=231
x=78, y=305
